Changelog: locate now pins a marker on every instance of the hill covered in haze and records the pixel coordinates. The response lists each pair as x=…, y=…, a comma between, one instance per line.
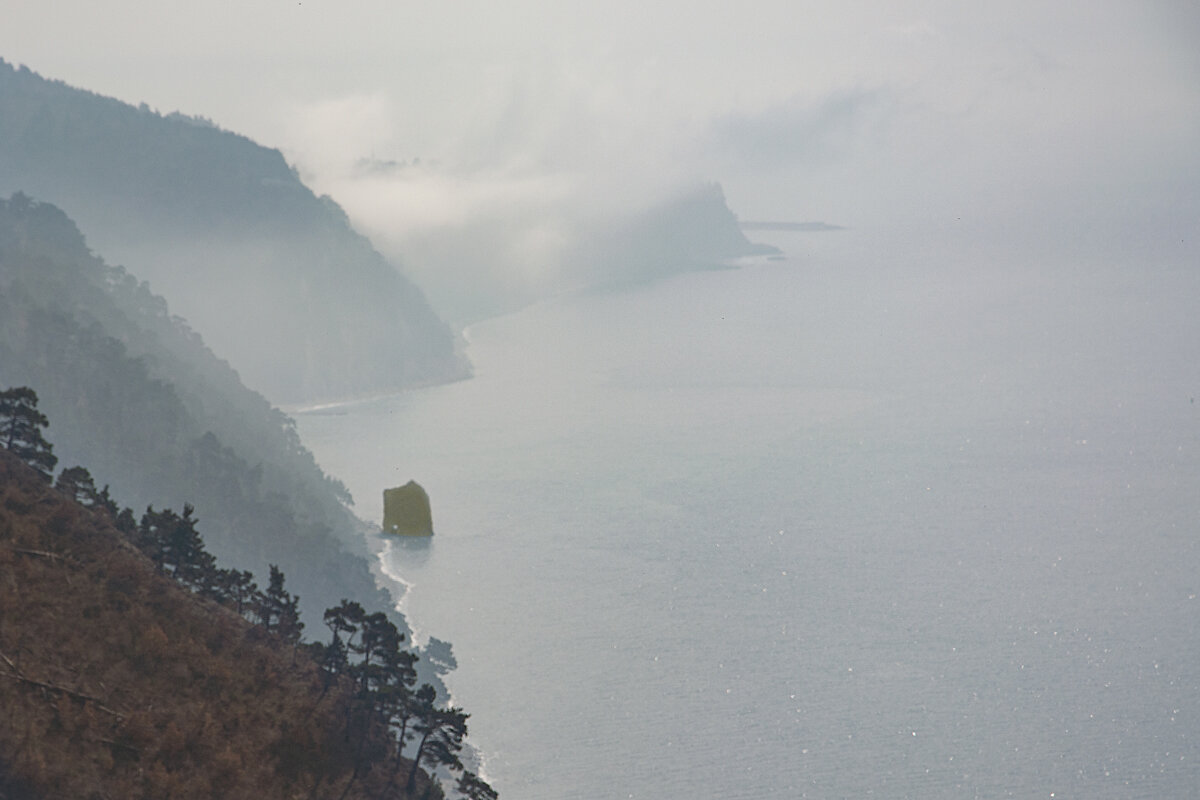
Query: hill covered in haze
x=137, y=396
x=692, y=230
x=274, y=277
x=499, y=259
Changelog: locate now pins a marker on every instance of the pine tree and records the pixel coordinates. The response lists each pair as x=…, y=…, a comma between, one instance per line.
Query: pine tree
x=379, y=645
x=124, y=521
x=20, y=430
x=236, y=587
x=400, y=706
x=192, y=564
x=472, y=787
x=279, y=611
x=176, y=547
x=77, y=484
x=152, y=533
x=441, y=732
x=344, y=618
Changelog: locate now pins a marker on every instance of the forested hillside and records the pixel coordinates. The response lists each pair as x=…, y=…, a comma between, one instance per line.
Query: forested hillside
x=132, y=665
x=272, y=276
x=136, y=395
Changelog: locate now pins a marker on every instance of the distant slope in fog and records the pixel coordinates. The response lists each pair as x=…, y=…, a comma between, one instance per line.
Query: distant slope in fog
x=482, y=268
x=690, y=231
x=272, y=276
x=135, y=395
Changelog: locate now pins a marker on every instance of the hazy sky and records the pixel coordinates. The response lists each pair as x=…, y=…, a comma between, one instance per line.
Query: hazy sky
x=850, y=112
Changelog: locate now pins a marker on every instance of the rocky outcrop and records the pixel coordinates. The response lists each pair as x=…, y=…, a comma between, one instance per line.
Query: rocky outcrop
x=406, y=511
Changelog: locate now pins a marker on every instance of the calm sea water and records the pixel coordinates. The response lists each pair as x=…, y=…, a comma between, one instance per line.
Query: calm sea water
x=857, y=524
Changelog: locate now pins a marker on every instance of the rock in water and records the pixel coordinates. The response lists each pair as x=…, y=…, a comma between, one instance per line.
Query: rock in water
x=406, y=511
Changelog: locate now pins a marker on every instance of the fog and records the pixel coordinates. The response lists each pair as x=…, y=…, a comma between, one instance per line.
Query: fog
x=968, y=401
x=486, y=142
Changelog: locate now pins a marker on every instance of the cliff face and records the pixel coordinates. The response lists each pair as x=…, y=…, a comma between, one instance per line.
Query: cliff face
x=267, y=272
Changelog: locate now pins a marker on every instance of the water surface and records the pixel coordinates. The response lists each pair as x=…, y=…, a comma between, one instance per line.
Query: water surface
x=867, y=522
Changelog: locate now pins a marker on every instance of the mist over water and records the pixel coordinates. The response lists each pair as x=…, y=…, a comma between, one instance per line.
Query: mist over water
x=910, y=514
x=880, y=519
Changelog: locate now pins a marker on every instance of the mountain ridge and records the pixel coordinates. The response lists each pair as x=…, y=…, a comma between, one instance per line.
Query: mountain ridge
x=273, y=276
x=136, y=394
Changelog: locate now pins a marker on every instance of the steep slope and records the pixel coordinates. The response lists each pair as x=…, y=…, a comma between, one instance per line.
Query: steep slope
x=117, y=682
x=269, y=274
x=136, y=396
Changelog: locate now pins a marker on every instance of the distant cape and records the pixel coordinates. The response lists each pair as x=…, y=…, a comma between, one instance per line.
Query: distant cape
x=694, y=230
x=690, y=229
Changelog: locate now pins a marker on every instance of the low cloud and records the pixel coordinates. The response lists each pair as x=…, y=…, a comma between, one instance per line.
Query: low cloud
x=492, y=167
x=328, y=136
x=799, y=131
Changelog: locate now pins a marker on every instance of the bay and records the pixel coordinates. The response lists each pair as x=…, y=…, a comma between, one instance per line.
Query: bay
x=876, y=520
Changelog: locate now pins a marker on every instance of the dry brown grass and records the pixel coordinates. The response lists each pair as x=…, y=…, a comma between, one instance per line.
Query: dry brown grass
x=118, y=683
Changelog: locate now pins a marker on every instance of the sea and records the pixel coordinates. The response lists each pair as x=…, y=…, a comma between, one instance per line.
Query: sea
x=867, y=520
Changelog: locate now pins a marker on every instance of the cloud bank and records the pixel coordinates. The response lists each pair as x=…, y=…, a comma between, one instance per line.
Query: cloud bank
x=504, y=132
